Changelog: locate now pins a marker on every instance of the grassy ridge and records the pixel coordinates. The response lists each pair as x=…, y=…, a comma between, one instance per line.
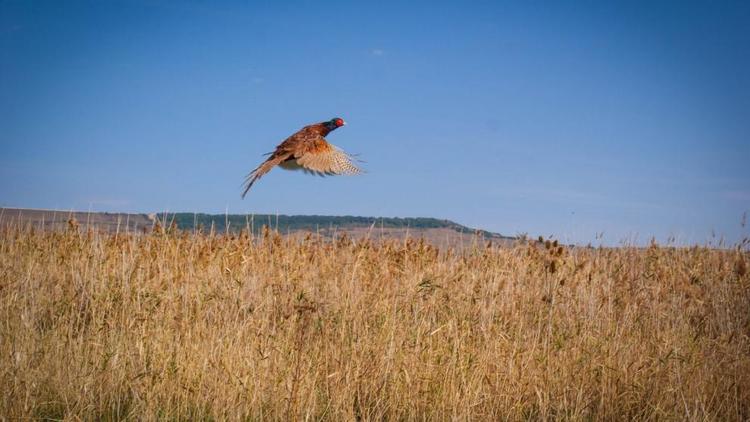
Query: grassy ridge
x=193, y=326
x=287, y=223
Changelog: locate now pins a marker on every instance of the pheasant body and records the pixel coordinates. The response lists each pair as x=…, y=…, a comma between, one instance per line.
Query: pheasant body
x=309, y=151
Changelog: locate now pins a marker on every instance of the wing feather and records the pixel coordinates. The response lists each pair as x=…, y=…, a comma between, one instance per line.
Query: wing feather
x=332, y=161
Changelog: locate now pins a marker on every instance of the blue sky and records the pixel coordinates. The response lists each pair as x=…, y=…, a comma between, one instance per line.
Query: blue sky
x=588, y=121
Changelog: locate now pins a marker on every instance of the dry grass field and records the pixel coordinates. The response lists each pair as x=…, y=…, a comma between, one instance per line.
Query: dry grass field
x=194, y=326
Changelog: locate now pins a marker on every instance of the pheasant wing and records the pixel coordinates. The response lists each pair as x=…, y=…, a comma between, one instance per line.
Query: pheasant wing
x=328, y=161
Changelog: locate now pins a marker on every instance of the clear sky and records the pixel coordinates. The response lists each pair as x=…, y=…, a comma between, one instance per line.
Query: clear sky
x=570, y=119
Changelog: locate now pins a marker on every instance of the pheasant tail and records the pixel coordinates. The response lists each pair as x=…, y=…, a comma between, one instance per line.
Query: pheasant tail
x=259, y=171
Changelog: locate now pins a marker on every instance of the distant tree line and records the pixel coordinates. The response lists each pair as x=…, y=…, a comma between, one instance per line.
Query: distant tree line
x=289, y=223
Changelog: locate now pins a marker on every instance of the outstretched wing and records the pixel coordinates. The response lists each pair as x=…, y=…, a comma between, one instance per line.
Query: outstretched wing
x=328, y=161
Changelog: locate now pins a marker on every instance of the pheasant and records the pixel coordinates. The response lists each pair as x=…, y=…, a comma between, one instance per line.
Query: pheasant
x=309, y=151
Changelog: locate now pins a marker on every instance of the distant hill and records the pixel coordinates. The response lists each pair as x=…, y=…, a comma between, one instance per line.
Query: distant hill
x=58, y=219
x=292, y=223
x=433, y=229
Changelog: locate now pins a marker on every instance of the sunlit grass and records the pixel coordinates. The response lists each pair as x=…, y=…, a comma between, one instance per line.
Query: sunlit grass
x=195, y=326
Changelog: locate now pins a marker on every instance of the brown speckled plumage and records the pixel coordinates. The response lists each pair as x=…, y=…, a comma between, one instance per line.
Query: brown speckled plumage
x=309, y=151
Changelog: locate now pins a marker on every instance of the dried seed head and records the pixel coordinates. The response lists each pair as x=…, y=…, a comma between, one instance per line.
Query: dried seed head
x=740, y=268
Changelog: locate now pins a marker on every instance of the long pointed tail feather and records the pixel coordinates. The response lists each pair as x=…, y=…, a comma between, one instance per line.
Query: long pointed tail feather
x=259, y=171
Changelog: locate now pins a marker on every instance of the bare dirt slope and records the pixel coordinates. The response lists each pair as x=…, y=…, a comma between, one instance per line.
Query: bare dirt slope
x=58, y=219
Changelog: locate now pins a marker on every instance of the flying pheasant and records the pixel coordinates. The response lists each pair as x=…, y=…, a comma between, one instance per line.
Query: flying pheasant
x=309, y=151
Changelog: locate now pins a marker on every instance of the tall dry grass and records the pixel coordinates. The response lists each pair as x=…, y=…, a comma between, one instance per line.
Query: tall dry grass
x=192, y=326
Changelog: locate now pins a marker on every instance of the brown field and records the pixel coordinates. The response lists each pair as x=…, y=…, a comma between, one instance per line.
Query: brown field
x=193, y=326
